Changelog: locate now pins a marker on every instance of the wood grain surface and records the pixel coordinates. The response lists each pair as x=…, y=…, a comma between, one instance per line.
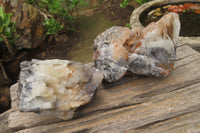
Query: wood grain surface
x=133, y=104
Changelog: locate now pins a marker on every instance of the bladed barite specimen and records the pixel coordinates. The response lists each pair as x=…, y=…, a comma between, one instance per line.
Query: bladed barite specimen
x=148, y=51
x=56, y=87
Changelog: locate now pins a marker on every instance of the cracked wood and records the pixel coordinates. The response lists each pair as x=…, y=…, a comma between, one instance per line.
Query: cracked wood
x=137, y=104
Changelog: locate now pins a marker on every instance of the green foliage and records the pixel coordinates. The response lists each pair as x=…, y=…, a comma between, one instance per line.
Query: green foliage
x=124, y=4
x=58, y=11
x=128, y=25
x=7, y=27
x=7, y=37
x=52, y=25
x=142, y=1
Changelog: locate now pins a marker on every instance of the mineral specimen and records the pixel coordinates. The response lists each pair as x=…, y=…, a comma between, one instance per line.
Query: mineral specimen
x=148, y=51
x=56, y=87
x=110, y=54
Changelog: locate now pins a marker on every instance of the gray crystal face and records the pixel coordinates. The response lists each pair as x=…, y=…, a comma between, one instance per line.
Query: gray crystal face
x=148, y=51
x=56, y=87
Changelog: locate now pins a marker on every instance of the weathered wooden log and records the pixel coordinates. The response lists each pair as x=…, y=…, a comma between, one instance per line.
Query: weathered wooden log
x=139, y=104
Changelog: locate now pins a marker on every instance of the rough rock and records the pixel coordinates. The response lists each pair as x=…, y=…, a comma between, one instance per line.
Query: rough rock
x=148, y=51
x=110, y=55
x=28, y=23
x=56, y=87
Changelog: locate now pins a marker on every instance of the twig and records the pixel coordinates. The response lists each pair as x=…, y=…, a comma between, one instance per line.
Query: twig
x=3, y=71
x=8, y=45
x=42, y=12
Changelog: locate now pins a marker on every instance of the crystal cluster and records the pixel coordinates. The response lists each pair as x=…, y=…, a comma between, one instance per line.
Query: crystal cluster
x=56, y=87
x=147, y=51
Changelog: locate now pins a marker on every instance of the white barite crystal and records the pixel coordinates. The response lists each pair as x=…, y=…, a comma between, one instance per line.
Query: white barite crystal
x=148, y=51
x=56, y=87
